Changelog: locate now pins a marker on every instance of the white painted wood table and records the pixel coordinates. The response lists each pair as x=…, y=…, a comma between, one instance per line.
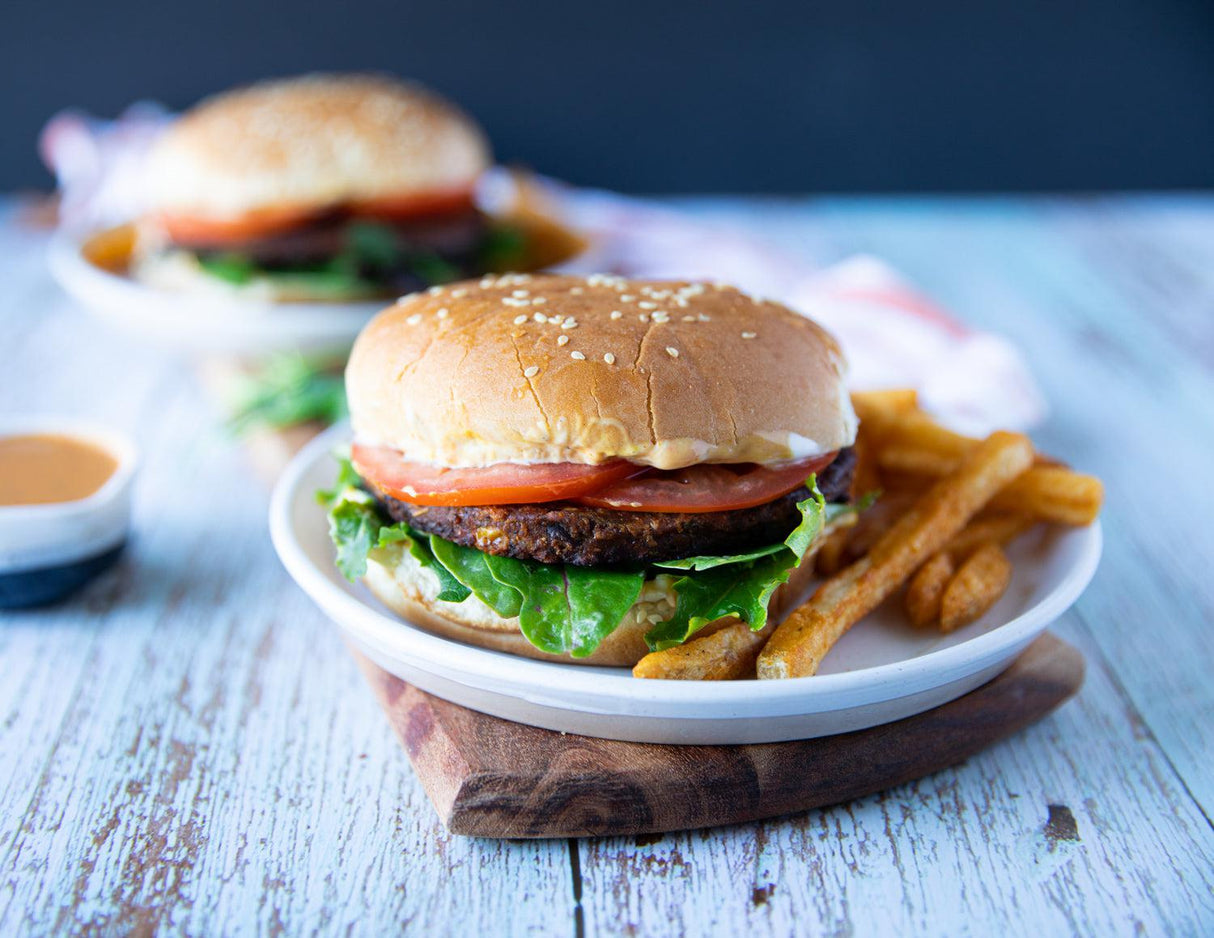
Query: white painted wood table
x=188, y=749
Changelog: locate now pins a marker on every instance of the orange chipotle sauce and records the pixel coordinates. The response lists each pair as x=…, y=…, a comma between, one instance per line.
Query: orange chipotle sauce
x=38, y=469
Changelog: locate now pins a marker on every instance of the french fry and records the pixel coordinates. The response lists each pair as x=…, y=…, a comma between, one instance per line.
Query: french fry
x=918, y=432
x=926, y=588
x=831, y=556
x=879, y=409
x=902, y=459
x=798, y=645
x=975, y=587
x=1055, y=494
x=914, y=454
x=996, y=528
x=866, y=477
x=725, y=655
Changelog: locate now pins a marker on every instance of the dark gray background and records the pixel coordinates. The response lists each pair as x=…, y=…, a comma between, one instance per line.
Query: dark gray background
x=768, y=96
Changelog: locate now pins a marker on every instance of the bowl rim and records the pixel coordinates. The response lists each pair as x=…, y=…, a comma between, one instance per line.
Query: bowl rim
x=117, y=444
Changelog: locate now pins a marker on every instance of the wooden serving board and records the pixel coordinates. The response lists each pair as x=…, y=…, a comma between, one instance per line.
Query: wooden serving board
x=488, y=777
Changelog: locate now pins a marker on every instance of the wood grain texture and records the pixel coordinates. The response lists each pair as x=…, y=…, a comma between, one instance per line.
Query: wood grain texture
x=187, y=748
x=491, y=778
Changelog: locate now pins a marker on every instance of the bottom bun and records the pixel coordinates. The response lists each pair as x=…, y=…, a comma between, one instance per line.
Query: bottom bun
x=411, y=591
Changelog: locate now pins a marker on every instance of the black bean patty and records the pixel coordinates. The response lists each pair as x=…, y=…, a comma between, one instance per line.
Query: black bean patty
x=600, y=537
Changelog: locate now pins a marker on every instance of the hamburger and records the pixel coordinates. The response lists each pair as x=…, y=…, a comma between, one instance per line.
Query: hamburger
x=325, y=187
x=590, y=468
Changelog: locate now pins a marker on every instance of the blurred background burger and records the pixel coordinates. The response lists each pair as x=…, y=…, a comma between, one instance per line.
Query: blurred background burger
x=324, y=187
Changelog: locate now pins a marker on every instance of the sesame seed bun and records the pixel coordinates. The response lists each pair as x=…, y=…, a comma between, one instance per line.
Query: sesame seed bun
x=310, y=143
x=568, y=369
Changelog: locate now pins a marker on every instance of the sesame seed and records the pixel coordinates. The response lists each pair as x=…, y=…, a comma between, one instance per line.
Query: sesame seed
x=521, y=293
x=443, y=313
x=531, y=372
x=645, y=304
x=435, y=291
x=570, y=323
x=459, y=291
x=609, y=358
x=702, y=318
x=644, y=317
x=689, y=319
x=672, y=351
x=556, y=319
x=577, y=356
x=562, y=340
x=414, y=319
x=616, y=314
x=576, y=291
x=538, y=300
x=660, y=316
x=626, y=297
x=539, y=317
x=748, y=335
x=519, y=320
x=512, y=301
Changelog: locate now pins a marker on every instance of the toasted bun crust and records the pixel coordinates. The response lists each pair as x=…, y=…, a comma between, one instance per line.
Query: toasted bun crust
x=571, y=369
x=411, y=592
x=312, y=142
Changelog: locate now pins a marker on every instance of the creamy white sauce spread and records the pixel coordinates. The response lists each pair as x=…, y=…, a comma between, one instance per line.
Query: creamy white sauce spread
x=767, y=448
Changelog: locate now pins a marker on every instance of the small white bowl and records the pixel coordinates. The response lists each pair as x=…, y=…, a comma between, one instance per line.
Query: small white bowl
x=49, y=550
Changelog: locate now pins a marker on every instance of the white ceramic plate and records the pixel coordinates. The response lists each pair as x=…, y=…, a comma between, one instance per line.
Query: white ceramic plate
x=882, y=670
x=206, y=324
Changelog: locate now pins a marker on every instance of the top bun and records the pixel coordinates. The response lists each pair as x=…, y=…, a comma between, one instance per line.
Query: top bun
x=312, y=142
x=524, y=368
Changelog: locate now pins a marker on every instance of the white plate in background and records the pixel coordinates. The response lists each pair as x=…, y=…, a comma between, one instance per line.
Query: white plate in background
x=205, y=323
x=881, y=671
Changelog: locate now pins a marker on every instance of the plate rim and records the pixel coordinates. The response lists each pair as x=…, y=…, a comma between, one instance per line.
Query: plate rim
x=543, y=683
x=201, y=322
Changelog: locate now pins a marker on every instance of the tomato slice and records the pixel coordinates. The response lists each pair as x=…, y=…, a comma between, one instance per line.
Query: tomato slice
x=706, y=487
x=200, y=231
x=502, y=484
x=417, y=205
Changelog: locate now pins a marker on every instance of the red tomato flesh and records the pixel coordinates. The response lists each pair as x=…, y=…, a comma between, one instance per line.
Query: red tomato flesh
x=617, y=484
x=500, y=484
x=200, y=231
x=706, y=487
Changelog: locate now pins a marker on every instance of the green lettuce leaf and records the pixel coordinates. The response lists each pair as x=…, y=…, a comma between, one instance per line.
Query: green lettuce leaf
x=354, y=527
x=289, y=389
x=741, y=590
x=567, y=609
x=231, y=268
x=471, y=568
x=421, y=549
x=708, y=562
x=739, y=585
x=358, y=528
